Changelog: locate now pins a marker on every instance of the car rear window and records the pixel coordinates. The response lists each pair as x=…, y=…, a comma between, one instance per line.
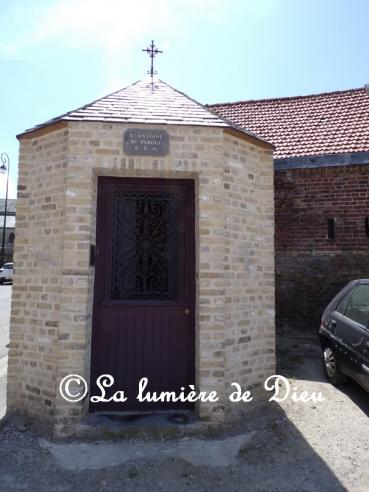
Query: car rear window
x=357, y=307
x=8, y=266
x=341, y=308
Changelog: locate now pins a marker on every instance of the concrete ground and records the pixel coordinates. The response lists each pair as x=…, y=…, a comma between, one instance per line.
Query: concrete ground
x=314, y=446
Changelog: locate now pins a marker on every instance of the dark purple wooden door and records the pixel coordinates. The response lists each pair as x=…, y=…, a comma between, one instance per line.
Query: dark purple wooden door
x=144, y=298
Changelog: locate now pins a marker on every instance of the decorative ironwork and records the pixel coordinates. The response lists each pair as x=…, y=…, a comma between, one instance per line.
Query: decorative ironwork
x=152, y=51
x=144, y=253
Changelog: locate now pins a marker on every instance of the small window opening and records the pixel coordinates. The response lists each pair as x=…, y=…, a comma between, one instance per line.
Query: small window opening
x=331, y=224
x=367, y=226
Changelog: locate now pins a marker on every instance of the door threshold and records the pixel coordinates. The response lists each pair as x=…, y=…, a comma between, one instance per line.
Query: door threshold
x=158, y=418
x=146, y=426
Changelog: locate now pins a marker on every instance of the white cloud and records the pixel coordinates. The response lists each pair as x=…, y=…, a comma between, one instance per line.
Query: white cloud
x=109, y=24
x=111, y=28
x=114, y=27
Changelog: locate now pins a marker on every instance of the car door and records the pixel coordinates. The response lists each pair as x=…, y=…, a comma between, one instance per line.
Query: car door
x=340, y=329
x=359, y=307
x=8, y=268
x=365, y=363
x=352, y=330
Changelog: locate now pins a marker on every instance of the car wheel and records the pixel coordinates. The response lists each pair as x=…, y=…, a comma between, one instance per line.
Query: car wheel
x=1, y=281
x=331, y=367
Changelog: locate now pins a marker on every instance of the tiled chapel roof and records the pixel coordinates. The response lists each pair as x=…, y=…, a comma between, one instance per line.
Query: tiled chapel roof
x=144, y=103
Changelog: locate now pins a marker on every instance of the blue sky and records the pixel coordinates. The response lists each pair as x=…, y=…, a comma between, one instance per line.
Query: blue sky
x=56, y=55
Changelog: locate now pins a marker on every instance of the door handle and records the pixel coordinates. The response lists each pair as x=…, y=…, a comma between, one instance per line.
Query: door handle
x=187, y=311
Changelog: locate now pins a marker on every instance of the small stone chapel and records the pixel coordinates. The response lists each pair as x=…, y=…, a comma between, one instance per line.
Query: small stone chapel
x=144, y=248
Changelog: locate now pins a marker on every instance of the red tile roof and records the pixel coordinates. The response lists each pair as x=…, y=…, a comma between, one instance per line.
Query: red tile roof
x=329, y=123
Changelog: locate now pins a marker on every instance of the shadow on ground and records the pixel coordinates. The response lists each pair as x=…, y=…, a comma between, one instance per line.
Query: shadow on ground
x=274, y=448
x=300, y=357
x=265, y=454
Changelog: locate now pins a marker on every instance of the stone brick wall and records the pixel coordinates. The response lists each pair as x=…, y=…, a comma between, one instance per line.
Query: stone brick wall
x=35, y=310
x=249, y=264
x=310, y=267
x=53, y=290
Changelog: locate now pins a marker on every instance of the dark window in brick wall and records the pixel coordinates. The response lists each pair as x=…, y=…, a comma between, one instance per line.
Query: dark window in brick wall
x=331, y=225
x=367, y=226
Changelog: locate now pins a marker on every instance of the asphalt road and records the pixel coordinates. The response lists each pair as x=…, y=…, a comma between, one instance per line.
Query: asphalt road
x=5, y=297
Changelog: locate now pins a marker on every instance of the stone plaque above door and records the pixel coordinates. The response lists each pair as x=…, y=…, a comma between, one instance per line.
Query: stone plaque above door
x=137, y=141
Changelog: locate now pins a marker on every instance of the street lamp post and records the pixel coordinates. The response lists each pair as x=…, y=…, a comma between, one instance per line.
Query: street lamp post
x=4, y=168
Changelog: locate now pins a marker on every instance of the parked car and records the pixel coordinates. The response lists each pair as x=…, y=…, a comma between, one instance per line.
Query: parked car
x=344, y=335
x=6, y=273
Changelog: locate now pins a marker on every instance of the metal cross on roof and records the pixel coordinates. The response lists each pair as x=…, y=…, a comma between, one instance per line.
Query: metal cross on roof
x=152, y=51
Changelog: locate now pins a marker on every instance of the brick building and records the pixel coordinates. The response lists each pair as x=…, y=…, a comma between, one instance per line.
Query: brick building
x=321, y=162
x=144, y=248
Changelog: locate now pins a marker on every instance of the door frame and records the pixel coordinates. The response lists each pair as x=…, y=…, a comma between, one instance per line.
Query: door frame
x=191, y=182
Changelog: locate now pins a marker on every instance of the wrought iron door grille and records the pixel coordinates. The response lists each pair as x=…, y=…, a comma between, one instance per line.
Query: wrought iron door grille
x=144, y=249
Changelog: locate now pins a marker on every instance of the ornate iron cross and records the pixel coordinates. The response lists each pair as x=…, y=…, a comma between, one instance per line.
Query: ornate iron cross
x=152, y=51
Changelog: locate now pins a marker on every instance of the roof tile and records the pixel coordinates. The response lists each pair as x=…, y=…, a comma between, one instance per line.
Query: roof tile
x=147, y=103
x=329, y=123
x=139, y=103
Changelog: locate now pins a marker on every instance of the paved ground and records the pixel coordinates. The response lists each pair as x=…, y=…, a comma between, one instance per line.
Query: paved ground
x=281, y=447
x=5, y=296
